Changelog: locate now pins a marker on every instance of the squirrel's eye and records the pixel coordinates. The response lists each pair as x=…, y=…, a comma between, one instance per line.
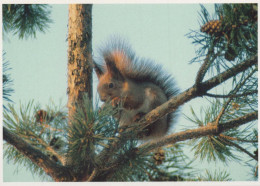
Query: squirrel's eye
x=110, y=85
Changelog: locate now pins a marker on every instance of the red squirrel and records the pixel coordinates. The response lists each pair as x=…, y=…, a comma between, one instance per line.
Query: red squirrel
x=137, y=84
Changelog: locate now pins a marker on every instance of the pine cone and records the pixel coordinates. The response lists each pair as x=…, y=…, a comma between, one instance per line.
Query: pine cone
x=159, y=156
x=41, y=116
x=212, y=27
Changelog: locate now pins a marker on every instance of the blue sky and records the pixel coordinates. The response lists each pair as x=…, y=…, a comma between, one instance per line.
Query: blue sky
x=39, y=66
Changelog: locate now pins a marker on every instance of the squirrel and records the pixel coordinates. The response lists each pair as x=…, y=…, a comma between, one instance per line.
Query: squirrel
x=137, y=84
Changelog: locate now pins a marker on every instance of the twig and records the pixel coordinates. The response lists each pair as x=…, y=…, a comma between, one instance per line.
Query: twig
x=240, y=148
x=205, y=66
x=222, y=111
x=256, y=171
x=231, y=95
x=92, y=176
x=234, y=91
x=237, y=139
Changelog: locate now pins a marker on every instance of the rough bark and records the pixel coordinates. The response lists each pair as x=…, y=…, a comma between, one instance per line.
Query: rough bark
x=80, y=65
x=79, y=55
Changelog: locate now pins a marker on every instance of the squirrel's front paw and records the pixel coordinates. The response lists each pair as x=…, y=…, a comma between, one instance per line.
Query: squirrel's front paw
x=115, y=101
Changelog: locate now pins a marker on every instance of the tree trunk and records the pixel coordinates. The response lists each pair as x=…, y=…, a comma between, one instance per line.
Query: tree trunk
x=79, y=56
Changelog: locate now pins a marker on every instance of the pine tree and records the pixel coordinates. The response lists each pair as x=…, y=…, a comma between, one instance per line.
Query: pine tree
x=99, y=150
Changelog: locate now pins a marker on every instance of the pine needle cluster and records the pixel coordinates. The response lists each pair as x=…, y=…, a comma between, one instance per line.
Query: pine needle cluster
x=26, y=19
x=236, y=37
x=7, y=82
x=89, y=142
x=40, y=135
x=95, y=142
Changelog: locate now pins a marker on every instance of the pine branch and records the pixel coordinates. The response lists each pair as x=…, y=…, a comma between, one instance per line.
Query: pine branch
x=210, y=129
x=56, y=171
x=193, y=92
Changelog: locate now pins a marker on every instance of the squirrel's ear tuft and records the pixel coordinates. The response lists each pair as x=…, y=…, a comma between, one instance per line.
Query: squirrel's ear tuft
x=98, y=70
x=112, y=68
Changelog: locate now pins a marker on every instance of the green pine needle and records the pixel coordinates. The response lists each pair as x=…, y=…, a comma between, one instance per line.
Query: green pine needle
x=25, y=20
x=215, y=176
